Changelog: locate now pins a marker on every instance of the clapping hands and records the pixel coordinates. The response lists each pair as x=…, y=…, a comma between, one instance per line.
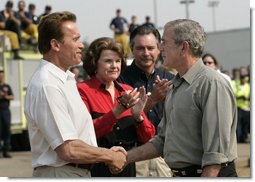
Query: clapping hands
x=136, y=100
x=160, y=89
x=137, y=109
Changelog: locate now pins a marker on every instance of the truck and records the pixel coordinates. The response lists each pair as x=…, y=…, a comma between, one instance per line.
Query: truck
x=17, y=75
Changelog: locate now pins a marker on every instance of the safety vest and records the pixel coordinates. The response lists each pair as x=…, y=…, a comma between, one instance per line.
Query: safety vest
x=242, y=93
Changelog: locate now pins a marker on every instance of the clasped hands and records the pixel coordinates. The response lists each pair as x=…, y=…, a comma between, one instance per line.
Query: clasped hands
x=119, y=161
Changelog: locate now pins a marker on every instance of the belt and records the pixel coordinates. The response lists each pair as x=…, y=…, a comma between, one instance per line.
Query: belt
x=82, y=166
x=194, y=170
x=227, y=164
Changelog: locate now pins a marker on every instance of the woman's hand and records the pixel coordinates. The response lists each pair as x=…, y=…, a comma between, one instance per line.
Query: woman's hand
x=137, y=109
x=129, y=98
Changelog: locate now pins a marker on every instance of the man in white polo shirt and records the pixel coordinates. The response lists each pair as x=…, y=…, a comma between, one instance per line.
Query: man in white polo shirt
x=61, y=131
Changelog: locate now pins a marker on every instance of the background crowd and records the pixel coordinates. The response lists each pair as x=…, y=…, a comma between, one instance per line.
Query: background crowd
x=19, y=23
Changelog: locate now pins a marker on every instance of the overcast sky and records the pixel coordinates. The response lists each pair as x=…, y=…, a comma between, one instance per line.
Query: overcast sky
x=94, y=16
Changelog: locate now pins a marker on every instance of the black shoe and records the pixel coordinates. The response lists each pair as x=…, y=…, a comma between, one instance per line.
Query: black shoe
x=17, y=57
x=7, y=155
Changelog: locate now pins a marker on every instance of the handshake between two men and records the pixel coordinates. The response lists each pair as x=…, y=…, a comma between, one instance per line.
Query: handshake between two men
x=119, y=161
x=123, y=158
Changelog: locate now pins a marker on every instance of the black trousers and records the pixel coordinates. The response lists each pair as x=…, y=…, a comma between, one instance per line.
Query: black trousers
x=227, y=170
x=243, y=125
x=5, y=129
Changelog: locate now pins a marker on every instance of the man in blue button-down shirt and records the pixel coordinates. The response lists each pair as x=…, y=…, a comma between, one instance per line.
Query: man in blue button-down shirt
x=144, y=43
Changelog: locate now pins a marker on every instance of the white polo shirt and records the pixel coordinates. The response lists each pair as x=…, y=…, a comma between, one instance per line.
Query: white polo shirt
x=55, y=113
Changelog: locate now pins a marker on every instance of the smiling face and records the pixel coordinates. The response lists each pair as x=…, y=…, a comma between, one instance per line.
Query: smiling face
x=108, y=66
x=70, y=47
x=145, y=51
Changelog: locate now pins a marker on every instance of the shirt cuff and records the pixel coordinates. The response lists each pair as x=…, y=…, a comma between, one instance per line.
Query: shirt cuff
x=210, y=158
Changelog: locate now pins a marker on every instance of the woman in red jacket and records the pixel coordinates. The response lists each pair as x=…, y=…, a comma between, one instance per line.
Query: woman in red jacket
x=116, y=109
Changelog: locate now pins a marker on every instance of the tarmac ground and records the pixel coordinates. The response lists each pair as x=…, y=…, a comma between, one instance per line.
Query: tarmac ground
x=19, y=166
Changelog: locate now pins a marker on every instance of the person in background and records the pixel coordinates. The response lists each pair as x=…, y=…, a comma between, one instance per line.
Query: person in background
x=28, y=28
x=211, y=61
x=241, y=88
x=119, y=25
x=79, y=75
x=80, y=78
x=148, y=21
x=47, y=10
x=15, y=45
x=6, y=95
x=32, y=14
x=227, y=73
x=116, y=109
x=244, y=71
x=197, y=134
x=145, y=42
x=61, y=131
x=10, y=23
x=76, y=71
x=235, y=74
x=133, y=25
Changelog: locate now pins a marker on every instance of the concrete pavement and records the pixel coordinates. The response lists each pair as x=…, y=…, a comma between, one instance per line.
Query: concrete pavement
x=19, y=166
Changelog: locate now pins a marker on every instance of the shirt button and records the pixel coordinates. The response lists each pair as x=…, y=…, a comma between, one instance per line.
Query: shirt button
x=120, y=143
x=117, y=128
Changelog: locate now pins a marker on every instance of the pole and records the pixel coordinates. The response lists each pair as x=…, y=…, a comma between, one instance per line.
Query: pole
x=187, y=2
x=213, y=5
x=155, y=13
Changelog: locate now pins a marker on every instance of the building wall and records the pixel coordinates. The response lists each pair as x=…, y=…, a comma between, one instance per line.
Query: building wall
x=232, y=48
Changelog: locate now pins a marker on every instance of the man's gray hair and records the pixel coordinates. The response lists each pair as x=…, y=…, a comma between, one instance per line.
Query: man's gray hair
x=190, y=31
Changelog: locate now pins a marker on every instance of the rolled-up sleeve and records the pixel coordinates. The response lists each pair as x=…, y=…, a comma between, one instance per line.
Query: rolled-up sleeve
x=216, y=122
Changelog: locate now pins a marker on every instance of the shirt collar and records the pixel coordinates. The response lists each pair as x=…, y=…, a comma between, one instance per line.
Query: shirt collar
x=139, y=71
x=193, y=71
x=98, y=84
x=63, y=76
x=177, y=80
x=95, y=82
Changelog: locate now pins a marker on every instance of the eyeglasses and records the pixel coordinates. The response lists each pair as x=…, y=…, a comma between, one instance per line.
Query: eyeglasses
x=207, y=62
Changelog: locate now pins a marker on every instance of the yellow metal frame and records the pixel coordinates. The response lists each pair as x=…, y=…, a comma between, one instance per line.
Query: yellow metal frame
x=23, y=126
x=18, y=128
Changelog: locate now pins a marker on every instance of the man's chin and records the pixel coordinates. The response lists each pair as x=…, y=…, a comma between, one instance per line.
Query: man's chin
x=78, y=62
x=148, y=64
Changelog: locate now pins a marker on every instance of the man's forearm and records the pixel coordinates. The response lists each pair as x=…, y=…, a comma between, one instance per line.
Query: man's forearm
x=143, y=152
x=77, y=151
x=211, y=171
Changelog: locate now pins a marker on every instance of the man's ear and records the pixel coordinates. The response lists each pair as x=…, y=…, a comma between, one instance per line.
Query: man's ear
x=185, y=47
x=55, y=44
x=182, y=50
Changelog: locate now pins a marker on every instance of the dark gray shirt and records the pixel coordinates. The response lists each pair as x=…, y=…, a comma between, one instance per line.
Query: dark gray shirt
x=199, y=120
